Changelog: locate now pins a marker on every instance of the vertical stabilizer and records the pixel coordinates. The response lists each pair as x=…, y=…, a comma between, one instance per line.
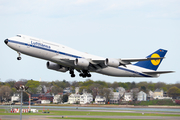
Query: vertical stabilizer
x=152, y=64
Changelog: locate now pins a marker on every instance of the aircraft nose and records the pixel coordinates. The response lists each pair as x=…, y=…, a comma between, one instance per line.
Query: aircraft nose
x=6, y=41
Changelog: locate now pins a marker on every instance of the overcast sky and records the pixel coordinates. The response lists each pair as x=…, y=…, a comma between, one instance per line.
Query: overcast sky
x=107, y=28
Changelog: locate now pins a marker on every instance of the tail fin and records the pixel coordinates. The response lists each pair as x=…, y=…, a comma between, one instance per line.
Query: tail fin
x=152, y=64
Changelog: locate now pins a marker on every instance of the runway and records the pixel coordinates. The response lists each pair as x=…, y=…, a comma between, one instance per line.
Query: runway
x=46, y=117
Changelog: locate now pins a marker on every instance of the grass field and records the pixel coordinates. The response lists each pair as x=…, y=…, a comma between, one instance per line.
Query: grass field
x=89, y=118
x=85, y=113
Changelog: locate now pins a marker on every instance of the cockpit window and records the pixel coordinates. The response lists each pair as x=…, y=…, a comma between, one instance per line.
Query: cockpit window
x=18, y=35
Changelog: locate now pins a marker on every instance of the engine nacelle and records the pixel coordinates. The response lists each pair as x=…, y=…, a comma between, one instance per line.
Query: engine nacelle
x=57, y=67
x=112, y=62
x=81, y=62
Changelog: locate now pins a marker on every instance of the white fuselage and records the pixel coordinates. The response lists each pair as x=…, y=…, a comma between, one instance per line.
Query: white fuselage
x=52, y=52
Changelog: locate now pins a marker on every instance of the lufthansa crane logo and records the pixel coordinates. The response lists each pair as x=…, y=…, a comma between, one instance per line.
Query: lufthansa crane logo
x=157, y=61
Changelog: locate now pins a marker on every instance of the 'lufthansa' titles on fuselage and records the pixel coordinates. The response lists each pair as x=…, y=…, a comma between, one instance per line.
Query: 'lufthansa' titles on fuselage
x=40, y=45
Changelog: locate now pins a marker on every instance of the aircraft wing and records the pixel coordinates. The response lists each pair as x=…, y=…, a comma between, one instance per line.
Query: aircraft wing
x=102, y=63
x=158, y=72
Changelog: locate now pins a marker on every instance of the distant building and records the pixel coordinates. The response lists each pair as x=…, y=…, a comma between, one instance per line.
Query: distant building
x=15, y=98
x=35, y=97
x=120, y=89
x=46, y=97
x=128, y=96
x=158, y=93
x=57, y=98
x=74, y=98
x=100, y=100
x=43, y=101
x=150, y=95
x=142, y=96
x=86, y=98
x=67, y=90
x=115, y=98
x=76, y=90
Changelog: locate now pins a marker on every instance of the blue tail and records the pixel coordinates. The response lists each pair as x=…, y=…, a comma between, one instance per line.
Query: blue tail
x=152, y=64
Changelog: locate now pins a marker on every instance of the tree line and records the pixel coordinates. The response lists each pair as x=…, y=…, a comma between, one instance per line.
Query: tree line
x=7, y=88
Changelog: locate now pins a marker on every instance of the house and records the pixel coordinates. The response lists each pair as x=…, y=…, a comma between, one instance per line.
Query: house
x=35, y=97
x=45, y=96
x=57, y=98
x=158, y=93
x=115, y=98
x=67, y=90
x=43, y=101
x=128, y=96
x=120, y=89
x=86, y=98
x=150, y=95
x=15, y=98
x=100, y=100
x=141, y=96
x=76, y=90
x=74, y=98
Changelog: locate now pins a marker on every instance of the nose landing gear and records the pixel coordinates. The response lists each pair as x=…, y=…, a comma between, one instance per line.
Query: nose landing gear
x=19, y=57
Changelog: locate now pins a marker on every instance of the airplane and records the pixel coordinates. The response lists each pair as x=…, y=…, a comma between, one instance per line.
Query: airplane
x=62, y=58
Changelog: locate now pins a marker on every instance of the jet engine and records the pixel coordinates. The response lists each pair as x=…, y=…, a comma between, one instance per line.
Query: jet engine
x=112, y=62
x=55, y=66
x=81, y=62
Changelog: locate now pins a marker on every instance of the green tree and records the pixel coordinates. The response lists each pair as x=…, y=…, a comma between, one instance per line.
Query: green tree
x=151, y=86
x=33, y=85
x=65, y=98
x=174, y=92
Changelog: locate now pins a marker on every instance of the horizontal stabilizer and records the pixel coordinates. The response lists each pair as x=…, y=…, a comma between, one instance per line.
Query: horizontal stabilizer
x=158, y=72
x=128, y=60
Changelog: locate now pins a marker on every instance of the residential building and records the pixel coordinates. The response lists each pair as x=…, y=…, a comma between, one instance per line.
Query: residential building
x=57, y=98
x=150, y=95
x=74, y=98
x=15, y=98
x=128, y=96
x=45, y=96
x=120, y=89
x=100, y=100
x=45, y=101
x=67, y=90
x=141, y=96
x=86, y=98
x=115, y=98
x=76, y=90
x=158, y=93
x=35, y=97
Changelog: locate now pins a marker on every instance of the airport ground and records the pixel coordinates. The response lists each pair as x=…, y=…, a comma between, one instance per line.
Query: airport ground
x=89, y=114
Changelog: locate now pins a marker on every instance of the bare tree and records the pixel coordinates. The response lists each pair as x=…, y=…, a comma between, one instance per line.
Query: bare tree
x=5, y=92
x=106, y=92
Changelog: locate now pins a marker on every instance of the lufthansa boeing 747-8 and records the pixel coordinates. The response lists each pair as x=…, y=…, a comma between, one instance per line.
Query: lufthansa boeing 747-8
x=62, y=58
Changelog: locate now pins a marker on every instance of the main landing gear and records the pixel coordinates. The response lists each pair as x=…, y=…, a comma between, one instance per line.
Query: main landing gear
x=72, y=73
x=83, y=73
x=19, y=57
